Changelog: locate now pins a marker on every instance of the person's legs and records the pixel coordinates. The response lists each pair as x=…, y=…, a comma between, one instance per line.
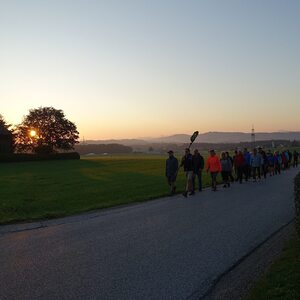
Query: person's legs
x=245, y=172
x=194, y=182
x=214, y=180
x=190, y=186
x=186, y=184
x=259, y=172
x=240, y=174
x=254, y=173
x=171, y=182
x=236, y=173
x=265, y=170
x=224, y=178
x=226, y=175
x=228, y=179
x=200, y=180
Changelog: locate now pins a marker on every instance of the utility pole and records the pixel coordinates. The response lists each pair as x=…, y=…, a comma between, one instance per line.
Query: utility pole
x=253, y=137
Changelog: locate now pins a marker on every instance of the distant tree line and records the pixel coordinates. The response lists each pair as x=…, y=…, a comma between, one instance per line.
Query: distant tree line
x=102, y=148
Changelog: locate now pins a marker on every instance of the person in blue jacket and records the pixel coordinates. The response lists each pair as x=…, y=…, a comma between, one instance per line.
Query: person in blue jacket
x=247, y=167
x=277, y=163
x=271, y=163
x=256, y=164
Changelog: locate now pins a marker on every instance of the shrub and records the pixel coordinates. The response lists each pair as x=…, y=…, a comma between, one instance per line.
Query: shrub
x=22, y=157
x=297, y=203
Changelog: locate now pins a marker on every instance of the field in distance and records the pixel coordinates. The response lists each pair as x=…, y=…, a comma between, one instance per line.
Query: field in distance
x=49, y=189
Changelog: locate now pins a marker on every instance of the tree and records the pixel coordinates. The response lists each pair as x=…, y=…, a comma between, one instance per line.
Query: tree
x=45, y=130
x=6, y=136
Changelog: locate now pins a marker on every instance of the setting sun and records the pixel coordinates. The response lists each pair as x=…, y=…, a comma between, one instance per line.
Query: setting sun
x=32, y=133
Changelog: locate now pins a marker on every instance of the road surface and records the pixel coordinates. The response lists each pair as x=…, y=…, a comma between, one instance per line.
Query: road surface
x=171, y=248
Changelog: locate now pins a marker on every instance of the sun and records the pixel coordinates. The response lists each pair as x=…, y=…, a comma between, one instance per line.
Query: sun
x=32, y=133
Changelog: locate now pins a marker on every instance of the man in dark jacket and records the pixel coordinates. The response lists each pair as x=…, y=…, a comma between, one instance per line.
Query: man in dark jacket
x=171, y=171
x=198, y=163
x=187, y=163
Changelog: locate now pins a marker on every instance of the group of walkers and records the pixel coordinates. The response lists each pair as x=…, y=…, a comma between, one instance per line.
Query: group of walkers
x=243, y=165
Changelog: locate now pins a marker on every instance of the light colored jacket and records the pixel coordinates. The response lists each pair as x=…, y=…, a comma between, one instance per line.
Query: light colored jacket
x=256, y=160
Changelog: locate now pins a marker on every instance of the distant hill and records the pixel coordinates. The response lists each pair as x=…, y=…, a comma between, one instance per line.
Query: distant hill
x=229, y=137
x=126, y=142
x=208, y=137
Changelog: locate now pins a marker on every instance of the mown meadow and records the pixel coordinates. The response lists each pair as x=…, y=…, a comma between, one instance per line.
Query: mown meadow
x=49, y=189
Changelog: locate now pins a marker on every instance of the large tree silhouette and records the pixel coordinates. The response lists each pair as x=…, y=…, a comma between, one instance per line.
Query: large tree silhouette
x=46, y=130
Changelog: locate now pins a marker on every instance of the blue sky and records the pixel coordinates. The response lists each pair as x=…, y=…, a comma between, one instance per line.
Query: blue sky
x=153, y=68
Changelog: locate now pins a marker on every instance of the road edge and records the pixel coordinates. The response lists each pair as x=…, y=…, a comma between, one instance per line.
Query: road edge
x=236, y=282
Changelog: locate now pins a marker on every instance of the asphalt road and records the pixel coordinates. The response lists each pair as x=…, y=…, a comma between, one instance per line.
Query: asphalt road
x=171, y=248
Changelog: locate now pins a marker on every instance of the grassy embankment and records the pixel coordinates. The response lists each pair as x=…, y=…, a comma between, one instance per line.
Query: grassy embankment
x=48, y=189
x=282, y=281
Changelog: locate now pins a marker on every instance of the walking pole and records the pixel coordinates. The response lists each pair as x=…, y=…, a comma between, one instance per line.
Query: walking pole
x=192, y=139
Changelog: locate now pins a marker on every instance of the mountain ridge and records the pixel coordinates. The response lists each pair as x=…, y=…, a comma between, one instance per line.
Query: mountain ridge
x=206, y=137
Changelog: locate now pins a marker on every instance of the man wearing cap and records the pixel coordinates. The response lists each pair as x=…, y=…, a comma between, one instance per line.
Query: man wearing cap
x=171, y=171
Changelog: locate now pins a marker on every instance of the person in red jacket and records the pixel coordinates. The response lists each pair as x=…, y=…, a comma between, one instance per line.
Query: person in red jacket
x=213, y=165
x=239, y=163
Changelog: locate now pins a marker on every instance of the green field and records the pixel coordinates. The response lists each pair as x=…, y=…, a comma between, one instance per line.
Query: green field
x=49, y=189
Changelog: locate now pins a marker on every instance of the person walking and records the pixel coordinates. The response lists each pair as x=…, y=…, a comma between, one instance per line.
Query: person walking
x=256, y=164
x=226, y=167
x=239, y=163
x=171, y=171
x=277, y=163
x=198, y=164
x=213, y=166
x=187, y=163
x=234, y=165
x=271, y=163
x=265, y=162
x=247, y=167
x=231, y=160
x=284, y=160
x=290, y=160
x=295, y=159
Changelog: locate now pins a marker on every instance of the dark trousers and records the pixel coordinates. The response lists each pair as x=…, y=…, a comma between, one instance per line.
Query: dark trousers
x=256, y=171
x=197, y=174
x=247, y=172
x=225, y=177
x=240, y=171
x=277, y=169
x=295, y=163
x=214, y=180
x=265, y=170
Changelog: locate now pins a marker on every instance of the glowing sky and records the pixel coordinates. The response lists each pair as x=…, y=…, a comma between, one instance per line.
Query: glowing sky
x=122, y=69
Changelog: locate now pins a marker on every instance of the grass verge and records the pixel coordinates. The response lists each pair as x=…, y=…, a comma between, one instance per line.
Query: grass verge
x=282, y=281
